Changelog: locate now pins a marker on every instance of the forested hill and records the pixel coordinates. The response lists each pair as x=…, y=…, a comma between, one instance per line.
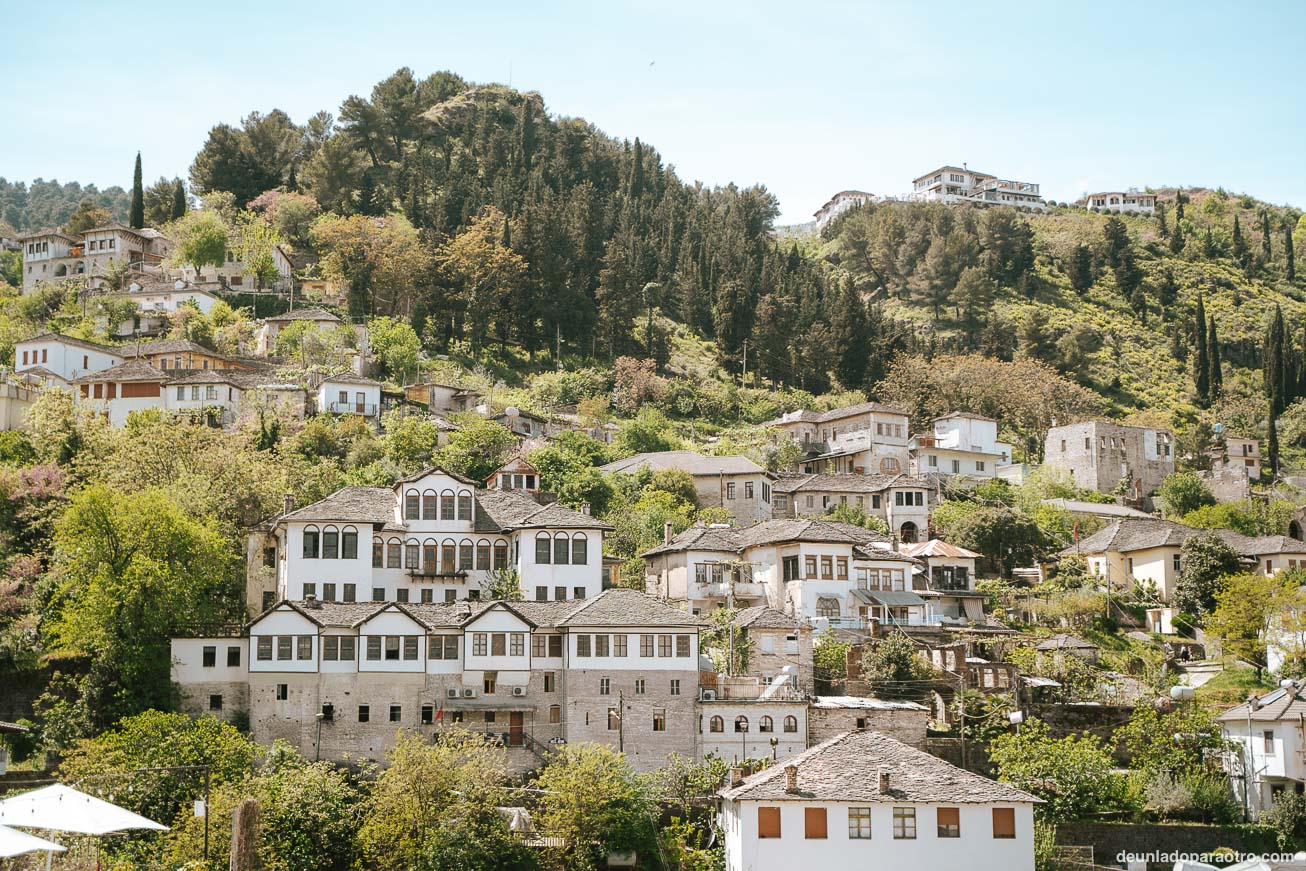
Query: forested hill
x=43, y=204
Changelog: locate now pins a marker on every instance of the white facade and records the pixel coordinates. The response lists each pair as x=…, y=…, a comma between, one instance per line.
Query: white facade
x=952, y=184
x=349, y=395
x=740, y=729
x=860, y=439
x=1132, y=201
x=66, y=357
x=1269, y=748
x=960, y=444
x=840, y=203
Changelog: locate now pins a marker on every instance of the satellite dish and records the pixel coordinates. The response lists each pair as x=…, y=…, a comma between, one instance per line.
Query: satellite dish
x=135, y=287
x=180, y=285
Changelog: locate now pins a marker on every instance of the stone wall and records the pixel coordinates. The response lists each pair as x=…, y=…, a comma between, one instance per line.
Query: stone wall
x=907, y=726
x=586, y=713
x=1108, y=840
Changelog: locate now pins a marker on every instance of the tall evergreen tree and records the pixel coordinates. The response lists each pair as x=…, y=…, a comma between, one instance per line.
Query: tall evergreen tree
x=1272, y=445
x=1272, y=363
x=136, y=217
x=1177, y=240
x=1201, y=361
x=1081, y=268
x=1179, y=200
x=1289, y=257
x=1240, y=252
x=179, y=200
x=1161, y=224
x=1167, y=291
x=1215, y=378
x=1267, y=250
x=1116, y=235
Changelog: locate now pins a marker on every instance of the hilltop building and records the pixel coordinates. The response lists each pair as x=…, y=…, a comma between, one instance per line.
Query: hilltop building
x=840, y=203
x=1101, y=454
x=735, y=483
x=1132, y=201
x=953, y=184
x=960, y=445
x=52, y=255
x=901, y=501
x=857, y=439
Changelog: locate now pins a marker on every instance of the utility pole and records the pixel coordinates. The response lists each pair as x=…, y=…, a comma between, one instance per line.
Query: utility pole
x=621, y=721
x=743, y=378
x=730, y=630
x=557, y=344
x=961, y=706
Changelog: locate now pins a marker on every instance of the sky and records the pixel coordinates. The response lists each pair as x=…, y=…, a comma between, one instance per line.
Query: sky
x=805, y=98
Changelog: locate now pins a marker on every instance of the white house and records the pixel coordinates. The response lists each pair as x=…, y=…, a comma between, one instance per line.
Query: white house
x=950, y=580
x=862, y=439
x=347, y=393
x=50, y=255
x=901, y=501
x=961, y=445
x=1132, y=200
x=1270, y=747
x=840, y=203
x=64, y=356
x=865, y=800
x=958, y=184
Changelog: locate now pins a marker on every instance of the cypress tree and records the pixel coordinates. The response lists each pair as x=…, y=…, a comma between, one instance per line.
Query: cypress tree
x=1272, y=440
x=1081, y=268
x=1288, y=253
x=137, y=216
x=1267, y=250
x=178, y=200
x=1272, y=362
x=1215, y=378
x=1160, y=220
x=1239, y=244
x=1177, y=238
x=1208, y=247
x=1201, y=363
x=1178, y=205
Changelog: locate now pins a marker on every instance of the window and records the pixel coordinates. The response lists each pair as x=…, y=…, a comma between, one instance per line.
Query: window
x=284, y=647
x=741, y=723
x=664, y=645
x=904, y=823
x=351, y=592
x=768, y=822
x=555, y=713
x=827, y=606
x=561, y=549
x=330, y=543
x=349, y=543
x=580, y=549
x=215, y=703
x=498, y=644
x=479, y=643
x=619, y=645
x=841, y=568
x=682, y=645
x=730, y=489
x=430, y=505
x=330, y=648
x=401, y=596
x=659, y=719
x=646, y=645
x=766, y=724
x=550, y=682
x=541, y=594
x=378, y=553
x=233, y=657
x=264, y=646
x=446, y=505
x=859, y=823
x=483, y=556
x=489, y=683
x=500, y=554
x=310, y=542
x=560, y=594
x=517, y=644
x=639, y=686
x=374, y=647
x=956, y=466
x=716, y=724
x=428, y=714
x=283, y=692
x=464, y=506
x=328, y=592
x=791, y=568
x=814, y=822
x=378, y=594
x=210, y=656
x=410, y=647
x=949, y=822
x=582, y=645
x=979, y=465
x=392, y=648
x=605, y=686
x=555, y=646
x=1267, y=742
x=396, y=714
x=537, y=644
x=809, y=567
x=543, y=549
x=392, y=554
x=1004, y=822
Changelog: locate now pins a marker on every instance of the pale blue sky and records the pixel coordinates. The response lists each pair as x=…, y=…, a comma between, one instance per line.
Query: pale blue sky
x=807, y=98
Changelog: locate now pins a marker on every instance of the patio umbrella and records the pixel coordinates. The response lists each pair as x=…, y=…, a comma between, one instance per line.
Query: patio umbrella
x=16, y=843
x=61, y=808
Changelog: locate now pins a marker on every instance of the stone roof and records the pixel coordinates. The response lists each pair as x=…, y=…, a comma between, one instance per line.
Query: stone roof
x=1064, y=641
x=243, y=378
x=1281, y=704
x=690, y=461
x=494, y=511
x=845, y=483
x=865, y=703
x=765, y=617
x=847, y=768
x=621, y=606
x=936, y=548
x=882, y=554
x=132, y=370
x=1123, y=536
x=350, y=378
x=1101, y=509
x=435, y=470
x=806, y=416
x=76, y=343
x=738, y=539
x=357, y=504
x=966, y=415
x=509, y=509
x=1270, y=544
x=166, y=346
x=305, y=314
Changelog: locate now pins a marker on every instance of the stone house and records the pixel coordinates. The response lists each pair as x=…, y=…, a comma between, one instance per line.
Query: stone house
x=901, y=501
x=863, y=439
x=780, y=641
x=1100, y=454
x=272, y=326
x=735, y=483
x=960, y=445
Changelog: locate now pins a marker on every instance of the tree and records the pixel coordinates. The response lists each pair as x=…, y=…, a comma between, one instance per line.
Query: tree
x=1241, y=254
x=254, y=243
x=647, y=432
x=1205, y=562
x=1035, y=340
x=435, y=806
x=1289, y=255
x=380, y=260
x=1247, y=609
x=1006, y=537
x=1128, y=275
x=894, y=669
x=1081, y=268
x=593, y=800
x=178, y=200
x=89, y=214
x=1215, y=377
x=1267, y=249
x=1177, y=240
x=1074, y=775
x=830, y=662
x=476, y=448
x=1201, y=360
x=1174, y=740
x=485, y=272
x=1116, y=236
x=1182, y=492
x=201, y=240
x=396, y=347
x=136, y=219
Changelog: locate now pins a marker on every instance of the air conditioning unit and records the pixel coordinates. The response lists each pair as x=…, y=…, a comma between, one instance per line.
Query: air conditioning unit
x=708, y=695
x=519, y=691
x=452, y=693
x=469, y=693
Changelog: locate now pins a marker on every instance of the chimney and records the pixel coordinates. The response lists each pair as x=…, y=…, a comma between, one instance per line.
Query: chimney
x=666, y=532
x=893, y=542
x=884, y=781
x=584, y=508
x=736, y=776
x=287, y=503
x=791, y=778
x=310, y=601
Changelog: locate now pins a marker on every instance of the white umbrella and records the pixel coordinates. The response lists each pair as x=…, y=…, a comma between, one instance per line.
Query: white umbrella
x=16, y=843
x=61, y=808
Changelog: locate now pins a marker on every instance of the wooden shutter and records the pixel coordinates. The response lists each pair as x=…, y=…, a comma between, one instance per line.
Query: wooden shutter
x=949, y=822
x=1004, y=822
x=814, y=822
x=768, y=822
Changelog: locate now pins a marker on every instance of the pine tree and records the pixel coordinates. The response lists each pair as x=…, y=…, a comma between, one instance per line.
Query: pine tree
x=1289, y=256
x=1116, y=235
x=1035, y=340
x=1167, y=291
x=1208, y=246
x=1160, y=221
x=1267, y=250
x=1129, y=275
x=1240, y=252
x=1201, y=362
x=179, y=200
x=1177, y=240
x=1215, y=378
x=137, y=214
x=1081, y=268
x=1179, y=200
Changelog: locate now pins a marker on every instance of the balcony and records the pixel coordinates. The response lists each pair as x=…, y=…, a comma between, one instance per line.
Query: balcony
x=434, y=575
x=366, y=409
x=743, y=590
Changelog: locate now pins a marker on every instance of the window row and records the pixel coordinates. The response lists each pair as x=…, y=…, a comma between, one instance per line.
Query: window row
x=210, y=656
x=947, y=821
x=615, y=645
x=446, y=557
x=765, y=724
x=559, y=593
x=615, y=717
x=330, y=543
x=349, y=593
x=641, y=686
x=717, y=573
x=561, y=549
x=499, y=643
x=446, y=505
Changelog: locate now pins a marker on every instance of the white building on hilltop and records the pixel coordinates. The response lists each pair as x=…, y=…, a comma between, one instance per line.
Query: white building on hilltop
x=865, y=800
x=959, y=184
x=1132, y=200
x=960, y=445
x=840, y=203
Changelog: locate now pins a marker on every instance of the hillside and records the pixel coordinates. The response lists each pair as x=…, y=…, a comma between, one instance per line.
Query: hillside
x=43, y=204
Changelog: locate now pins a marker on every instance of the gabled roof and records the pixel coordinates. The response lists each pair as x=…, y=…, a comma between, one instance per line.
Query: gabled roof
x=1274, y=544
x=350, y=378
x=692, y=462
x=76, y=343
x=766, y=617
x=48, y=234
x=778, y=531
x=936, y=548
x=1100, y=509
x=966, y=415
x=115, y=226
x=435, y=470
x=621, y=606
x=132, y=370
x=847, y=768
x=356, y=504
x=1124, y=536
x=805, y=416
x=845, y=483
x=509, y=509
x=166, y=346
x=305, y=314
x=1280, y=704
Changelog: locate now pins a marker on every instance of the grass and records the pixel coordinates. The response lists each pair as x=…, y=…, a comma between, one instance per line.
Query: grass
x=1233, y=685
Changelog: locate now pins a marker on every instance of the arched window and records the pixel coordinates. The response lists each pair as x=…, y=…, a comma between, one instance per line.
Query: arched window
x=791, y=723
x=889, y=466
x=716, y=724
x=500, y=554
x=907, y=532
x=430, y=505
x=392, y=554
x=543, y=548
x=465, y=556
x=827, y=606
x=580, y=549
x=312, y=540
x=464, y=505
x=378, y=553
x=446, y=505
x=561, y=549
x=411, y=554
x=482, y=556
x=448, y=556
x=412, y=505
x=430, y=557
x=766, y=724
x=349, y=543
x=741, y=723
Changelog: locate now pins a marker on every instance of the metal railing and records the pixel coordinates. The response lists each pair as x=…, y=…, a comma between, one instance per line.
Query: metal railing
x=364, y=408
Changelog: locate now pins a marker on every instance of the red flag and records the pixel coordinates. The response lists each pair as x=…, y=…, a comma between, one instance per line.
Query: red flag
x=439, y=714
x=1076, y=530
